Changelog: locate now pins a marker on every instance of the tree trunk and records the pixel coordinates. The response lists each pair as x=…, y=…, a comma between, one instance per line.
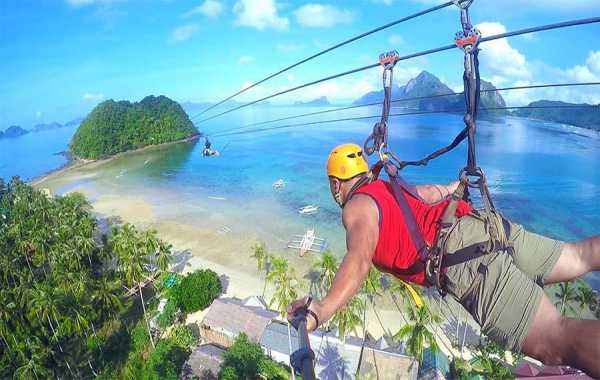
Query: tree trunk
x=464, y=337
x=92, y=368
x=385, y=331
x=290, y=348
x=145, y=315
x=54, y=332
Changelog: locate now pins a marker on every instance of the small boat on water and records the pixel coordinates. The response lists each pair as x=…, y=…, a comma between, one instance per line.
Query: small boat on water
x=279, y=184
x=223, y=230
x=309, y=242
x=308, y=210
x=217, y=198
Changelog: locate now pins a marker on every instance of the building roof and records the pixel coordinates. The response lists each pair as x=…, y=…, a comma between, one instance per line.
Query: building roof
x=435, y=360
x=388, y=365
x=275, y=338
x=231, y=317
x=335, y=359
x=527, y=370
x=204, y=362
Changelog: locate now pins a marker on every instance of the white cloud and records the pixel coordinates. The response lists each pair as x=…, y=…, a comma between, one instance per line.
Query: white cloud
x=288, y=48
x=322, y=16
x=588, y=72
x=209, y=8
x=245, y=59
x=498, y=59
x=92, y=97
x=259, y=14
x=184, y=32
x=395, y=39
x=83, y=3
x=341, y=90
x=524, y=6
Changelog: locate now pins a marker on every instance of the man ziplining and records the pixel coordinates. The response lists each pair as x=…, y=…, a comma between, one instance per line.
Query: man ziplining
x=500, y=288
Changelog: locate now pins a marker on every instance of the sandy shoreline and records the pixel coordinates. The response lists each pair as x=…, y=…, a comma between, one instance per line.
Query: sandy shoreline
x=74, y=163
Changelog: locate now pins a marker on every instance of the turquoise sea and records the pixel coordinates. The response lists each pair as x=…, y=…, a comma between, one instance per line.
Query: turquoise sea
x=543, y=175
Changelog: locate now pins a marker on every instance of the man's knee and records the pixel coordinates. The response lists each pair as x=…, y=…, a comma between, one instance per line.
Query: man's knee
x=555, y=348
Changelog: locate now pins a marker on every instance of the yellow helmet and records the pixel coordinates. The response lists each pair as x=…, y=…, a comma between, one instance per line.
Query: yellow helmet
x=346, y=161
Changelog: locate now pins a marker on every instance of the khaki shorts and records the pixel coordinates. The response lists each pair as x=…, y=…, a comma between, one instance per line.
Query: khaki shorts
x=501, y=290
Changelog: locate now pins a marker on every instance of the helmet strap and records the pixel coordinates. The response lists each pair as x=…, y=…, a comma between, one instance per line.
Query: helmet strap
x=365, y=179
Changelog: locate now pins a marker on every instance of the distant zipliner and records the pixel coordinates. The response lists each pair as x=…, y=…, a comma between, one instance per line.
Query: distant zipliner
x=208, y=151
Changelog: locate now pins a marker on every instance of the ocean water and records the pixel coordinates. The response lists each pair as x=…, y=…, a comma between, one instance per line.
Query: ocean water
x=542, y=175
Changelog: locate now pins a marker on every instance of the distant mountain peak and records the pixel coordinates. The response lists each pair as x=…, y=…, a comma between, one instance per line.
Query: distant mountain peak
x=426, y=84
x=320, y=101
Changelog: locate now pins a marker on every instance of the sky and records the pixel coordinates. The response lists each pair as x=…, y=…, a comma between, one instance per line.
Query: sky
x=59, y=58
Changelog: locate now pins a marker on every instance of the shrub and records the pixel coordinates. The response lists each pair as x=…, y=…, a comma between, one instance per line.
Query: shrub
x=139, y=337
x=197, y=290
x=183, y=337
x=167, y=317
x=246, y=360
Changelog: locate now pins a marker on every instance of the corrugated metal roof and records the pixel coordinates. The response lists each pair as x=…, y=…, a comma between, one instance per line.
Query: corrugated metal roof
x=205, y=361
x=275, y=338
x=231, y=317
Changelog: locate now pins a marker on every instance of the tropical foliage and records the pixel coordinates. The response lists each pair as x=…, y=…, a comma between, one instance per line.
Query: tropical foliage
x=114, y=127
x=566, y=294
x=64, y=313
x=285, y=283
x=197, y=290
x=418, y=331
x=487, y=364
x=246, y=360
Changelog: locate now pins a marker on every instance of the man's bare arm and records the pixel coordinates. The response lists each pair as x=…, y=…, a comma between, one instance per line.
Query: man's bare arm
x=362, y=231
x=435, y=193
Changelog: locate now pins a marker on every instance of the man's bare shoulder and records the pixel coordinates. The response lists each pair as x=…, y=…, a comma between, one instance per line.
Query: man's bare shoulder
x=360, y=207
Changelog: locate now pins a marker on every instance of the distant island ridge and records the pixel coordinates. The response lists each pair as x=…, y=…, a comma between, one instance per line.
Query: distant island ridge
x=580, y=117
x=115, y=127
x=15, y=131
x=319, y=102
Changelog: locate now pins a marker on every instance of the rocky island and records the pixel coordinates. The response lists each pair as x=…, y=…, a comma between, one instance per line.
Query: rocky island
x=115, y=127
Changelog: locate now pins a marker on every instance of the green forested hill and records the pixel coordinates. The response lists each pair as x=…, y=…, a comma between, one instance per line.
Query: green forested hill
x=113, y=127
x=584, y=117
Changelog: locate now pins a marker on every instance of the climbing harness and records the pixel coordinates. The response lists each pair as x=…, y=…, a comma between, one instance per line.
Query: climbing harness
x=432, y=257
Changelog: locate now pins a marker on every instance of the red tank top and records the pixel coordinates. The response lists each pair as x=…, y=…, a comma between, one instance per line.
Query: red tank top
x=395, y=249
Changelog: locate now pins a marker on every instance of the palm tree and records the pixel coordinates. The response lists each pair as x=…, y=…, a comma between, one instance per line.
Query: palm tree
x=32, y=363
x=372, y=288
x=163, y=256
x=285, y=281
x=417, y=332
x=327, y=267
x=584, y=294
x=132, y=262
x=105, y=299
x=263, y=261
x=566, y=294
x=349, y=317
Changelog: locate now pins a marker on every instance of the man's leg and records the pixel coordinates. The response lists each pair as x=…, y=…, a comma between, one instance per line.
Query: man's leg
x=556, y=340
x=576, y=259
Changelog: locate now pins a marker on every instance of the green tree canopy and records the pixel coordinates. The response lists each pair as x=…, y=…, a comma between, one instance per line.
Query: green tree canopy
x=113, y=127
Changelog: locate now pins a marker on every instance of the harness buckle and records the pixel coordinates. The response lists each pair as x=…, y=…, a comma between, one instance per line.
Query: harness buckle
x=467, y=40
x=389, y=59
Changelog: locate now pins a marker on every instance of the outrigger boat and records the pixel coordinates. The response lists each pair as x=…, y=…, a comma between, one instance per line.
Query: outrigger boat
x=279, y=184
x=307, y=242
x=308, y=210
